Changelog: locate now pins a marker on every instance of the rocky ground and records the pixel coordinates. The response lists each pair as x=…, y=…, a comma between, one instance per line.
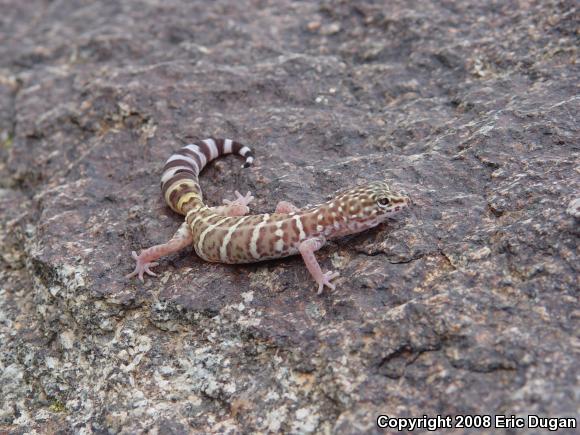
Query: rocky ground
x=466, y=305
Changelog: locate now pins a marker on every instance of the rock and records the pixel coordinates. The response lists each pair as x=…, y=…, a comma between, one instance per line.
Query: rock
x=465, y=305
x=574, y=208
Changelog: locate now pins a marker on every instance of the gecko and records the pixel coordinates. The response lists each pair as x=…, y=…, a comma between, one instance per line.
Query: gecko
x=228, y=234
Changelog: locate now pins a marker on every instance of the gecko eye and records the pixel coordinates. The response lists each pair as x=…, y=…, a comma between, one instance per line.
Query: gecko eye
x=383, y=202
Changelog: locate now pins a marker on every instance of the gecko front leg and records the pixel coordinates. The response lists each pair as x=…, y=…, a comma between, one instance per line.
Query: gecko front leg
x=286, y=207
x=146, y=258
x=307, y=249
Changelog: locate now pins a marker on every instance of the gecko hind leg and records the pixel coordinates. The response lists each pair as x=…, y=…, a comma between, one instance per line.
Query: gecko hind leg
x=236, y=207
x=146, y=258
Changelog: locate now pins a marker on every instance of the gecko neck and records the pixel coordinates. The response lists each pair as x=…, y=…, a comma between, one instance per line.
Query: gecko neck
x=324, y=221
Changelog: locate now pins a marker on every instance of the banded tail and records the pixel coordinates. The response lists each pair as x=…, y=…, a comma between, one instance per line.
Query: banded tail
x=179, y=182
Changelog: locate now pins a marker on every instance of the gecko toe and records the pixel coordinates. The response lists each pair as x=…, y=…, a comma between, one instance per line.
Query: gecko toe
x=241, y=200
x=326, y=277
x=142, y=267
x=149, y=271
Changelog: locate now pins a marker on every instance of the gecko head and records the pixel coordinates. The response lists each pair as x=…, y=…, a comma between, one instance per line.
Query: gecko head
x=372, y=203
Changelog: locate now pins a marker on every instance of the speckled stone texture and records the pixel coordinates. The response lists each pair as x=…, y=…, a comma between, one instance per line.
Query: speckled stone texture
x=466, y=305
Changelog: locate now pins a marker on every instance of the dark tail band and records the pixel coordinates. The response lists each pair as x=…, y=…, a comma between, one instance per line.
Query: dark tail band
x=179, y=182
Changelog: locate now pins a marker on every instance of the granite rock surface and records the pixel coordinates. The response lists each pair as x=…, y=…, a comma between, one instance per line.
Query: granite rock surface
x=468, y=304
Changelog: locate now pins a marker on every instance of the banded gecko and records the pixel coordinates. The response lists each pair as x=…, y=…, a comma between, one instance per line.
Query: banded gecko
x=227, y=234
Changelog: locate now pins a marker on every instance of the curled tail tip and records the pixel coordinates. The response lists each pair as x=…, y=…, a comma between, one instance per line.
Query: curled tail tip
x=249, y=162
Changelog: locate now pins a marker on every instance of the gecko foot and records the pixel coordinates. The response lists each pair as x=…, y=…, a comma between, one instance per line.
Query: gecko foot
x=142, y=266
x=325, y=281
x=238, y=206
x=240, y=199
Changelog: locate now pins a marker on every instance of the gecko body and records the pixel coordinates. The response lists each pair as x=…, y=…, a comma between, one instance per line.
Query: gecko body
x=227, y=234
